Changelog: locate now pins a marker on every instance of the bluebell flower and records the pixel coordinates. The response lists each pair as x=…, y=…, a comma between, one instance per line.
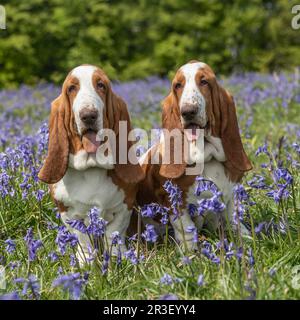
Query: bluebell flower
x=105, y=262
x=131, y=255
x=262, y=149
x=31, y=286
x=168, y=296
x=296, y=147
x=150, y=234
x=200, y=280
x=77, y=225
x=203, y=185
x=251, y=258
x=213, y=204
x=186, y=260
x=175, y=196
x=259, y=228
x=258, y=182
x=10, y=246
x=73, y=260
x=119, y=257
x=166, y=279
x=53, y=256
x=13, y=265
x=32, y=244
x=65, y=238
x=272, y=272
x=283, y=174
x=192, y=209
x=116, y=239
x=193, y=229
x=207, y=251
x=153, y=209
x=97, y=224
x=73, y=283
x=39, y=195
x=10, y=296
x=133, y=237
x=278, y=194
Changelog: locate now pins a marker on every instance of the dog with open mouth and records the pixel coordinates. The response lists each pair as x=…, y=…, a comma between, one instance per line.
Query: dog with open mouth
x=196, y=103
x=79, y=173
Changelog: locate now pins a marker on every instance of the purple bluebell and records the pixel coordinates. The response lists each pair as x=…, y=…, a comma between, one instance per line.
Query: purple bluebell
x=10, y=296
x=73, y=260
x=131, y=256
x=200, y=281
x=65, y=238
x=193, y=229
x=116, y=239
x=105, y=262
x=175, y=196
x=150, y=234
x=168, y=296
x=97, y=225
x=77, y=224
x=31, y=286
x=53, y=256
x=207, y=251
x=251, y=257
x=10, y=246
x=32, y=244
x=73, y=283
x=153, y=209
x=186, y=260
x=166, y=279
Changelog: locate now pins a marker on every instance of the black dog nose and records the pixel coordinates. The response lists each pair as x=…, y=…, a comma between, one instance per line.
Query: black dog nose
x=189, y=111
x=88, y=116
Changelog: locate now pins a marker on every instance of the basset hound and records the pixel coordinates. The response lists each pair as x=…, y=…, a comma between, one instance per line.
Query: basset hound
x=78, y=178
x=196, y=101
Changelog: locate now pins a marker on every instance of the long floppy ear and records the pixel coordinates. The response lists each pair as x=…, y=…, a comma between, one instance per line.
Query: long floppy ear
x=128, y=172
x=226, y=127
x=56, y=162
x=170, y=121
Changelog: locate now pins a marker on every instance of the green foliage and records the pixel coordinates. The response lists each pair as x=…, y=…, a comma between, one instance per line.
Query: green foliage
x=136, y=38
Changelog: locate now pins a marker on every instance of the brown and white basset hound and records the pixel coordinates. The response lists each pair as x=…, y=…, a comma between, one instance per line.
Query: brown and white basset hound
x=196, y=101
x=78, y=179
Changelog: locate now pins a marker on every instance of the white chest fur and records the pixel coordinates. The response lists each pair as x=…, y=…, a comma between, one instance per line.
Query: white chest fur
x=87, y=188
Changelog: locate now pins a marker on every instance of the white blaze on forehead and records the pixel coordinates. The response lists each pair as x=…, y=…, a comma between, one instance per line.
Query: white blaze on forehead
x=190, y=69
x=86, y=97
x=191, y=93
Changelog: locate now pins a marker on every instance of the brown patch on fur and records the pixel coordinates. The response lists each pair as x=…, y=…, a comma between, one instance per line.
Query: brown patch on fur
x=60, y=205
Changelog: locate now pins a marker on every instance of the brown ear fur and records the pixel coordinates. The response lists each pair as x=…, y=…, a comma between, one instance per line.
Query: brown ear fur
x=226, y=127
x=170, y=121
x=56, y=162
x=128, y=173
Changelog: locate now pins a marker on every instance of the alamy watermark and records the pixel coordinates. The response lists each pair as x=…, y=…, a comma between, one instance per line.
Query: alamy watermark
x=295, y=23
x=2, y=17
x=174, y=147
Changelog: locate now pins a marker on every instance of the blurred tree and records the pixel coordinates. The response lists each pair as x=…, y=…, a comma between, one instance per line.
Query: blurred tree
x=130, y=39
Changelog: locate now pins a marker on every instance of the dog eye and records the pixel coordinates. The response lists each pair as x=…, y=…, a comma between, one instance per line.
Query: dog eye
x=203, y=82
x=71, y=88
x=178, y=85
x=100, y=85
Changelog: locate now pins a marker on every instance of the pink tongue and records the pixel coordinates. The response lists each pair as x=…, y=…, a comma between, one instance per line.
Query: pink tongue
x=89, y=142
x=191, y=132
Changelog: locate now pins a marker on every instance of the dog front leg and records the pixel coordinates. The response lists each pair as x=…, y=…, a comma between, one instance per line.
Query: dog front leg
x=119, y=222
x=85, y=244
x=181, y=224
